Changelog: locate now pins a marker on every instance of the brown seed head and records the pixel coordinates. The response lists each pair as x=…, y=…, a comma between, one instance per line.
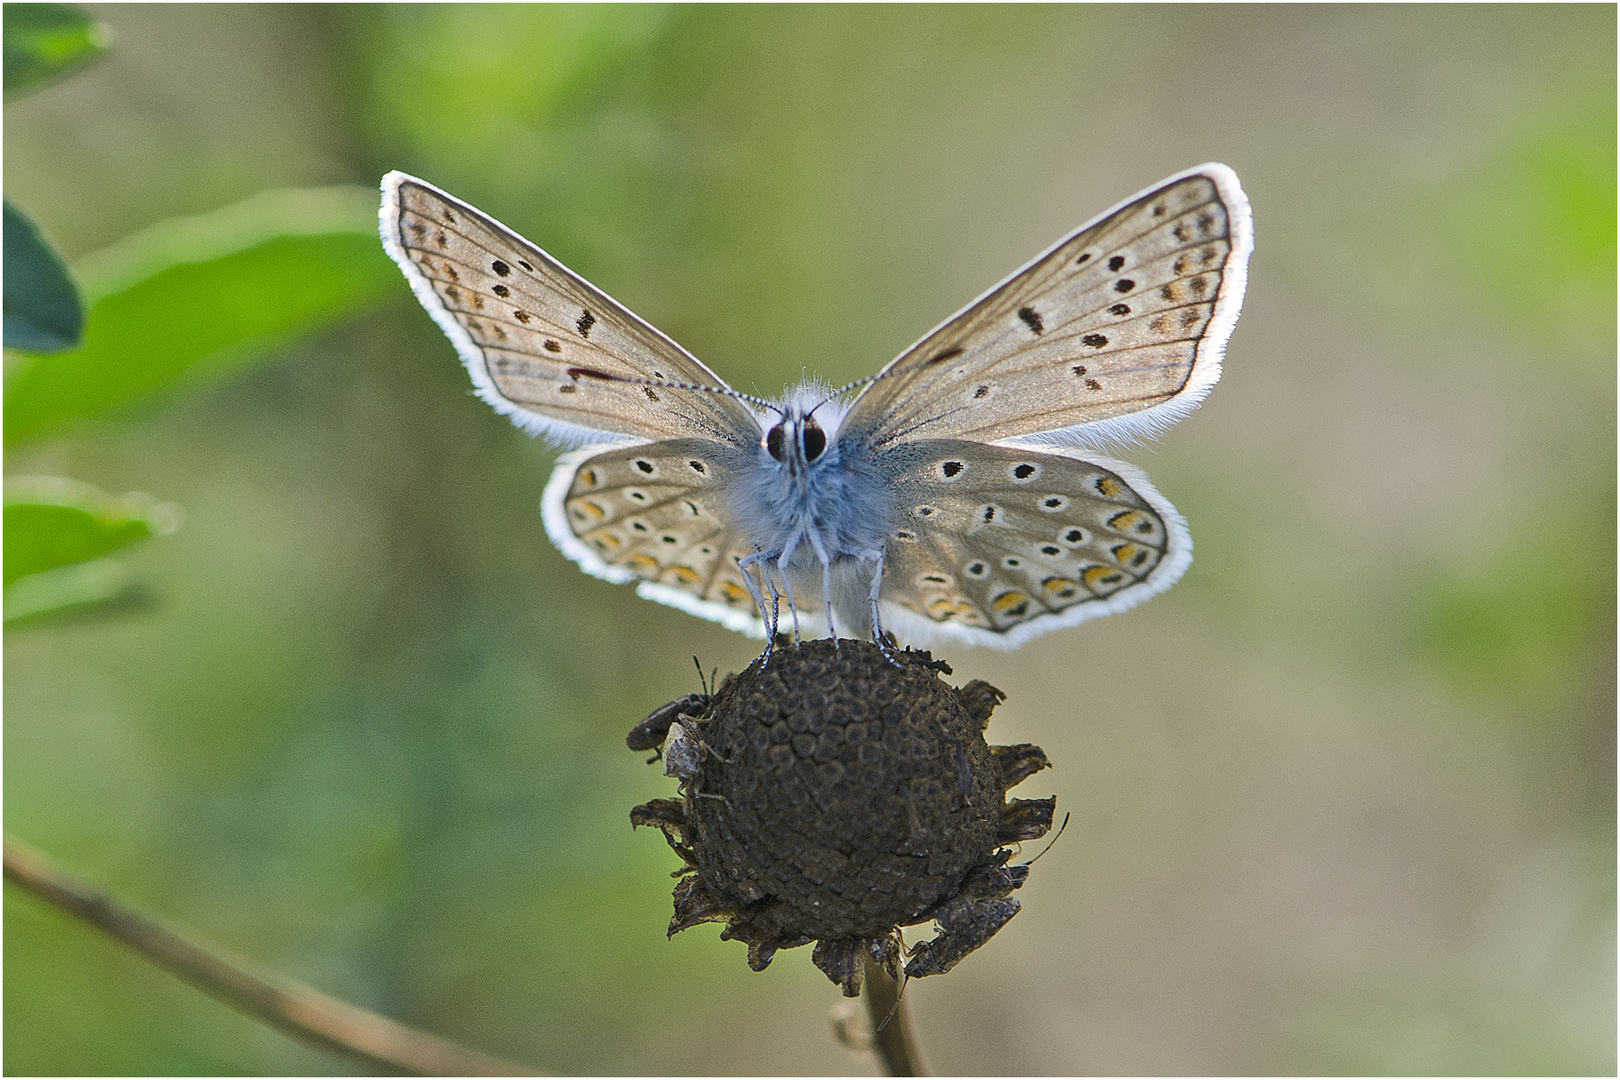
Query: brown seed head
x=836, y=796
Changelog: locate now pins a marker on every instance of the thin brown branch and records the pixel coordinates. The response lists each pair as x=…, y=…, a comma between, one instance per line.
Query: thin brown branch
x=892, y=1036
x=296, y=1009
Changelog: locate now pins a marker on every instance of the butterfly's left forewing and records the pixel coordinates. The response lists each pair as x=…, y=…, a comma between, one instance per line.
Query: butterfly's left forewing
x=542, y=344
x=1116, y=331
x=654, y=513
x=995, y=545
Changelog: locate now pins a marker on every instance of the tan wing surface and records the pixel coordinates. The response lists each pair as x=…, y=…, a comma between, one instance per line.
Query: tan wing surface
x=654, y=513
x=538, y=339
x=1119, y=328
x=995, y=539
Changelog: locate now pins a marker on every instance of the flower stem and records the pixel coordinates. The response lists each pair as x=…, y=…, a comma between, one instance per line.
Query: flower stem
x=296, y=1009
x=892, y=1037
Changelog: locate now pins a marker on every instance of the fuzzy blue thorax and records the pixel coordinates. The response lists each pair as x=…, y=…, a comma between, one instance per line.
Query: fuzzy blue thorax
x=814, y=504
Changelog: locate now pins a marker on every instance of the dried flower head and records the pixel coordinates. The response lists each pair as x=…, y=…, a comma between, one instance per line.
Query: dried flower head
x=834, y=796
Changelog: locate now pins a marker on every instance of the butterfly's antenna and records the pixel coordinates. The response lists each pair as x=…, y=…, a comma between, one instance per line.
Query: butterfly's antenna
x=846, y=388
x=577, y=373
x=1052, y=841
x=701, y=680
x=863, y=381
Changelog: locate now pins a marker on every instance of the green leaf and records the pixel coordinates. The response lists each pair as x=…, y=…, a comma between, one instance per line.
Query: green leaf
x=44, y=42
x=80, y=588
x=52, y=522
x=192, y=297
x=42, y=309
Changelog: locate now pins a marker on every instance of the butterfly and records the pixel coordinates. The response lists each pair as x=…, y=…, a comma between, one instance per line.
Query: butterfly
x=957, y=495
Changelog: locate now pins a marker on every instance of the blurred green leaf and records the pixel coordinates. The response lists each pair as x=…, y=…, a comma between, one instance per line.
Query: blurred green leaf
x=195, y=296
x=52, y=522
x=435, y=104
x=1518, y=624
x=44, y=42
x=42, y=308
x=77, y=589
x=1532, y=228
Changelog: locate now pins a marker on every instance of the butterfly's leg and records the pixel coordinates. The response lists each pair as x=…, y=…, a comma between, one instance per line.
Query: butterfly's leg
x=788, y=551
x=826, y=584
x=877, y=587
x=746, y=565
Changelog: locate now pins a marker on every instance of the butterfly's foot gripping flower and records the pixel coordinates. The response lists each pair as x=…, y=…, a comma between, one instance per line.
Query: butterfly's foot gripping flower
x=833, y=796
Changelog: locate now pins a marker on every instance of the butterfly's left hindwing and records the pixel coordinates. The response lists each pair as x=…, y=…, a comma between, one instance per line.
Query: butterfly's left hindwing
x=996, y=545
x=655, y=513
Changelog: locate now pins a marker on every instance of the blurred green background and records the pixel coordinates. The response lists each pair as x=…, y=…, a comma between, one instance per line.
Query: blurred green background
x=1343, y=800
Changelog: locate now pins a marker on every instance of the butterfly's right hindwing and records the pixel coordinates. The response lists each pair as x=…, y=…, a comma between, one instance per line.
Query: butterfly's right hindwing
x=537, y=339
x=655, y=513
x=996, y=545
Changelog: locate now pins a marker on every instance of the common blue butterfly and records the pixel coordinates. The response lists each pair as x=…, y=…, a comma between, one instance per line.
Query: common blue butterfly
x=957, y=495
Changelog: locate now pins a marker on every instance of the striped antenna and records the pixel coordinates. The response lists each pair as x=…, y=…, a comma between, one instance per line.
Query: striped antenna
x=724, y=391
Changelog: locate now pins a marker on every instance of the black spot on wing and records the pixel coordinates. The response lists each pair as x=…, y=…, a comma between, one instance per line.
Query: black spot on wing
x=1096, y=341
x=1117, y=263
x=500, y=268
x=584, y=323
x=1032, y=319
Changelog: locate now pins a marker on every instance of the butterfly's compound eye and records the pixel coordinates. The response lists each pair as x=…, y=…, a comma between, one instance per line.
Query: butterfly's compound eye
x=773, y=442
x=815, y=440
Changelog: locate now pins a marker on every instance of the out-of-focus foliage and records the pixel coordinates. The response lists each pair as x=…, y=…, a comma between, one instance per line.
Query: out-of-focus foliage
x=57, y=534
x=42, y=309
x=1343, y=800
x=50, y=522
x=190, y=297
x=47, y=41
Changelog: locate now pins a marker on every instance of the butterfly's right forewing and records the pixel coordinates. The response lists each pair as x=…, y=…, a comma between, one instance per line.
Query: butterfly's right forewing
x=542, y=344
x=1117, y=330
